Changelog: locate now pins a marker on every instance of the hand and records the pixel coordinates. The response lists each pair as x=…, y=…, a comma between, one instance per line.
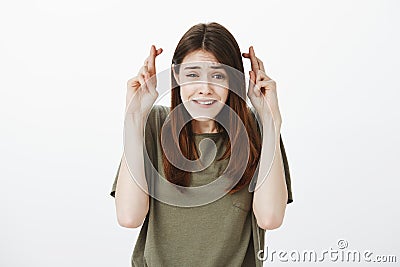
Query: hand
x=141, y=89
x=262, y=89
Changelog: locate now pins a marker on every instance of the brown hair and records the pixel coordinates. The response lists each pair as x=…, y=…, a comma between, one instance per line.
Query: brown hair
x=216, y=39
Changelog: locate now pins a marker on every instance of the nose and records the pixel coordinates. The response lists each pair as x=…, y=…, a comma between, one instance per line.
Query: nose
x=205, y=88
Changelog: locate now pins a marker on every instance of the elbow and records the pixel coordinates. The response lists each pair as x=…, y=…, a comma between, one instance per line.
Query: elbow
x=269, y=217
x=129, y=222
x=270, y=222
x=129, y=219
x=131, y=216
x=270, y=225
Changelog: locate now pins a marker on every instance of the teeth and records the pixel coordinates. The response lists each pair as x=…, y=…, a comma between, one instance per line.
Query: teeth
x=204, y=102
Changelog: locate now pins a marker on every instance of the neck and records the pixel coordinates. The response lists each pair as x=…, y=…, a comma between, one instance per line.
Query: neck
x=204, y=126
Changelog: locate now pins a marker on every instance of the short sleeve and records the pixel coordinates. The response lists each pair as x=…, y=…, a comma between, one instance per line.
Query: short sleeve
x=287, y=172
x=114, y=186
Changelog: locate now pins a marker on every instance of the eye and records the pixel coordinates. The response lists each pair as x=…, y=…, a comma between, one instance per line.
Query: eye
x=191, y=75
x=219, y=76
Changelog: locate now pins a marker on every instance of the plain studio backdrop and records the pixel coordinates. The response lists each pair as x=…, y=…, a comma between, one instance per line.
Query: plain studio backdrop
x=64, y=67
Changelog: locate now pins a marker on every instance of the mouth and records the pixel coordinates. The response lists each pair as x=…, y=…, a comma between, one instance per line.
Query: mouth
x=204, y=102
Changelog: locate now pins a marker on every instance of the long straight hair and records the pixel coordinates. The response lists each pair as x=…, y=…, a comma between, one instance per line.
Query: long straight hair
x=216, y=39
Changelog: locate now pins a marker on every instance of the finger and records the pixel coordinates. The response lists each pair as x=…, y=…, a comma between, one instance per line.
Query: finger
x=259, y=79
x=152, y=59
x=142, y=80
x=250, y=93
x=261, y=64
x=134, y=82
x=268, y=85
x=253, y=60
x=256, y=89
x=150, y=83
x=265, y=86
x=145, y=69
x=261, y=75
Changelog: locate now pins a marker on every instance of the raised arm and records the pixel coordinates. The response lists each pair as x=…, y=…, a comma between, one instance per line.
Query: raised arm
x=271, y=195
x=131, y=201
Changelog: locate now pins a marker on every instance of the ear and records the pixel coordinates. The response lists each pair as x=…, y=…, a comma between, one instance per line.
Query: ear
x=176, y=75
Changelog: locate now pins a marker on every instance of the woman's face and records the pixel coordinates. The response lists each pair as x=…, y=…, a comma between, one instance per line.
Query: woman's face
x=203, y=85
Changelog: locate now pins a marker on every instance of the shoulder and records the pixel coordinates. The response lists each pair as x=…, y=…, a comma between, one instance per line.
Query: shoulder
x=159, y=112
x=156, y=118
x=157, y=115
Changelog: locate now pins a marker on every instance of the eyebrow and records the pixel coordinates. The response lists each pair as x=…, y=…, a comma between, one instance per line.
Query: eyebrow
x=198, y=67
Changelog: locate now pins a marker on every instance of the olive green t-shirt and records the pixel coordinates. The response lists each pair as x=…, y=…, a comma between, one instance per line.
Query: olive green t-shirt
x=221, y=233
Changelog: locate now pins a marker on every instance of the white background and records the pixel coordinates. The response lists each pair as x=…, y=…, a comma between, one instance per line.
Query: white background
x=64, y=67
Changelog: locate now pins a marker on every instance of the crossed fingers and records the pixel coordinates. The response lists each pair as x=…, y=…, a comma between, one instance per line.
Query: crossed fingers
x=258, y=77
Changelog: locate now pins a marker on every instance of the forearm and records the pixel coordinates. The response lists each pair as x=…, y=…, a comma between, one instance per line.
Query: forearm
x=131, y=201
x=270, y=196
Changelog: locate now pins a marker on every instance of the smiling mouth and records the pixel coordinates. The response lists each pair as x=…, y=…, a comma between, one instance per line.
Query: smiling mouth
x=204, y=101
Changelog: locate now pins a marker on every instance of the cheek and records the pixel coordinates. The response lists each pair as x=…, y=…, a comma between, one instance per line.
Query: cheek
x=226, y=95
x=186, y=91
x=223, y=93
x=183, y=94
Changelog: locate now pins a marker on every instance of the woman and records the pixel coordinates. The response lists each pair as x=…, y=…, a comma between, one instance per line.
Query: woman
x=228, y=231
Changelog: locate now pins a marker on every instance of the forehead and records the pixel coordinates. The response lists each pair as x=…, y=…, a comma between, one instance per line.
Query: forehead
x=199, y=55
x=200, y=60
x=198, y=65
